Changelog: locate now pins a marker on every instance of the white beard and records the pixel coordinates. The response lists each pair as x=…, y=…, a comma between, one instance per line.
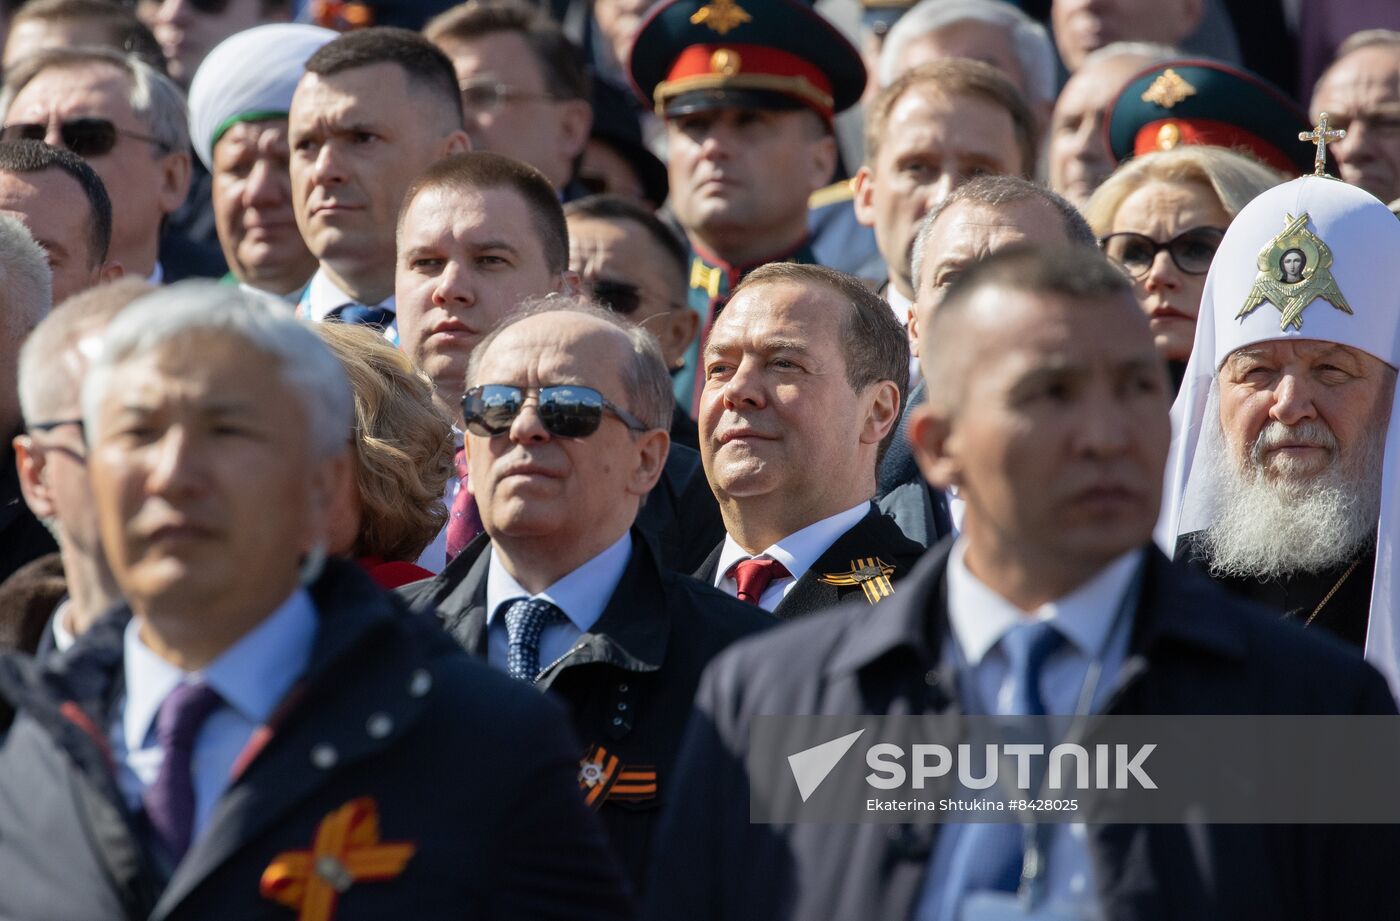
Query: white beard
x=1267, y=527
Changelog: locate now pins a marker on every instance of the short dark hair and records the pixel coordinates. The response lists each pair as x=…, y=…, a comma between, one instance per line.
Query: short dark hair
x=480, y=170
x=560, y=60
x=620, y=208
x=1003, y=190
x=35, y=156
x=125, y=33
x=1074, y=273
x=874, y=344
x=423, y=64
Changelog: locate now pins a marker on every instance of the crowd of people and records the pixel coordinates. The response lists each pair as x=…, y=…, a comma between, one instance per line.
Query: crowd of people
x=441, y=434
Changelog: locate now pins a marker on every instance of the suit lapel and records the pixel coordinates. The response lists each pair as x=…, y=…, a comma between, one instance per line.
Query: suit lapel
x=868, y=539
x=707, y=570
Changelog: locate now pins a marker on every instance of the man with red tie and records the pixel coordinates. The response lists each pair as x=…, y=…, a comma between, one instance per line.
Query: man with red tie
x=804, y=376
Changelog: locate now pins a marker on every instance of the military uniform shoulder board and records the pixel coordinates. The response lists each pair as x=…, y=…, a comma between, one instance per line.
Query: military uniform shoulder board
x=603, y=777
x=871, y=573
x=832, y=194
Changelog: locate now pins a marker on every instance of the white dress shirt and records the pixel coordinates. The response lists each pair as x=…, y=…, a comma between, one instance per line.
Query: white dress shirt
x=63, y=638
x=323, y=295
x=434, y=556
x=1089, y=619
x=582, y=595
x=252, y=676
x=797, y=552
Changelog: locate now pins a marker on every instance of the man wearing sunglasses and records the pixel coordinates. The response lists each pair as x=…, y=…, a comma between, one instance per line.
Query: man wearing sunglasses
x=566, y=412
x=122, y=117
x=375, y=109
x=804, y=376
x=525, y=92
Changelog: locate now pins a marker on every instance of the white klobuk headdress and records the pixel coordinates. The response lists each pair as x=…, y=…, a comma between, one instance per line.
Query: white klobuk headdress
x=1346, y=292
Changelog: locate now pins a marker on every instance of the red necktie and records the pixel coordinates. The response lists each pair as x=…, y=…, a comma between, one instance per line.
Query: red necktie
x=465, y=523
x=754, y=576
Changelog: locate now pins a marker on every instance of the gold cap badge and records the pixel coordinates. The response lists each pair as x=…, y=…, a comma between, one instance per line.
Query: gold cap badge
x=721, y=15
x=1295, y=269
x=726, y=61
x=1168, y=89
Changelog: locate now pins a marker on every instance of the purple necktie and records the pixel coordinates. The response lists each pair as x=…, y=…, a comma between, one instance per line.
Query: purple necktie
x=170, y=800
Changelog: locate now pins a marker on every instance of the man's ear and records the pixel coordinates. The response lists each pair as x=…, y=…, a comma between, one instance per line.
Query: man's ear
x=174, y=180
x=913, y=329
x=110, y=271
x=821, y=161
x=456, y=142
x=652, y=448
x=30, y=461
x=567, y=283
x=328, y=484
x=681, y=327
x=864, y=200
x=931, y=436
x=883, y=414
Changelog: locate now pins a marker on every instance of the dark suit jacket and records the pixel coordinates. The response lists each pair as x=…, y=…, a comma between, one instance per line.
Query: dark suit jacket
x=875, y=535
x=22, y=537
x=680, y=513
x=1194, y=650
x=628, y=683
x=920, y=510
x=473, y=771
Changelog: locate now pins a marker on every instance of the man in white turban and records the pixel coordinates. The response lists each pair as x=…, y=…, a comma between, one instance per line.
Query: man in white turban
x=239, y=101
x=1283, y=483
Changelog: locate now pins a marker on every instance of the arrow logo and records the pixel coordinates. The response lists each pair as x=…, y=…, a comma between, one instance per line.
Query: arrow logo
x=811, y=766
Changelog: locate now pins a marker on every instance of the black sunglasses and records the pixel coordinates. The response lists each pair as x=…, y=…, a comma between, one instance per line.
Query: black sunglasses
x=567, y=410
x=86, y=137
x=1191, y=250
x=617, y=296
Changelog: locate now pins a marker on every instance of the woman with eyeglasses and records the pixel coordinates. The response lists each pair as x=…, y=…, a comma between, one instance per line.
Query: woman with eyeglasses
x=1160, y=217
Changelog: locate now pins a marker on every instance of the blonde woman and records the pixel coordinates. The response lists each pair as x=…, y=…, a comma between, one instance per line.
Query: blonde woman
x=1160, y=217
x=402, y=450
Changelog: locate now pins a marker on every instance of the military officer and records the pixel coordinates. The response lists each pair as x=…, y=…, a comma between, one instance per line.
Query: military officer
x=748, y=90
x=1189, y=101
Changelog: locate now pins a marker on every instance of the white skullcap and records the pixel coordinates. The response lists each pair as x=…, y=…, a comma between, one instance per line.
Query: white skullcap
x=249, y=76
x=1363, y=238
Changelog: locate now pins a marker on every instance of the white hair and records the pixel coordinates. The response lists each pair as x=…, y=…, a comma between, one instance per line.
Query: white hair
x=1034, y=50
x=25, y=275
x=307, y=365
x=154, y=97
x=1269, y=529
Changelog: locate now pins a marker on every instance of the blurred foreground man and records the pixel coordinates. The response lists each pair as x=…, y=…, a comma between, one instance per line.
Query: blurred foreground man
x=1282, y=487
x=566, y=413
x=805, y=373
x=1048, y=409
x=261, y=747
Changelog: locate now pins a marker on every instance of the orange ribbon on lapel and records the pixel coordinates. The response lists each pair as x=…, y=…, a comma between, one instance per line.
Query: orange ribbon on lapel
x=602, y=776
x=346, y=850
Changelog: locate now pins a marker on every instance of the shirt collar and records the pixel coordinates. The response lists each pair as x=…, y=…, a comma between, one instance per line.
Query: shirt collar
x=157, y=276
x=582, y=594
x=799, y=550
x=252, y=676
x=324, y=295
x=979, y=617
x=900, y=304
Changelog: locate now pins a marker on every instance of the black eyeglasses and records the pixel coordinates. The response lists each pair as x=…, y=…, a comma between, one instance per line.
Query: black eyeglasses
x=618, y=296
x=86, y=137
x=567, y=410
x=1192, y=250
x=50, y=426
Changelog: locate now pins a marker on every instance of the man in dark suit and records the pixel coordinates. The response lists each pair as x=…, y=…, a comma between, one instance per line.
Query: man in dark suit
x=804, y=374
x=976, y=220
x=1049, y=410
x=262, y=734
x=568, y=592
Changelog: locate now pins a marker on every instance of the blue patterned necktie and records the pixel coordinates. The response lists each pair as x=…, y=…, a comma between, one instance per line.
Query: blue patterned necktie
x=169, y=801
x=526, y=619
x=989, y=855
x=359, y=315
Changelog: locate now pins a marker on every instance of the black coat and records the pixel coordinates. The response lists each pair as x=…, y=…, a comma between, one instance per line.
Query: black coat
x=629, y=683
x=920, y=510
x=473, y=771
x=875, y=535
x=22, y=537
x=1194, y=650
x=680, y=513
